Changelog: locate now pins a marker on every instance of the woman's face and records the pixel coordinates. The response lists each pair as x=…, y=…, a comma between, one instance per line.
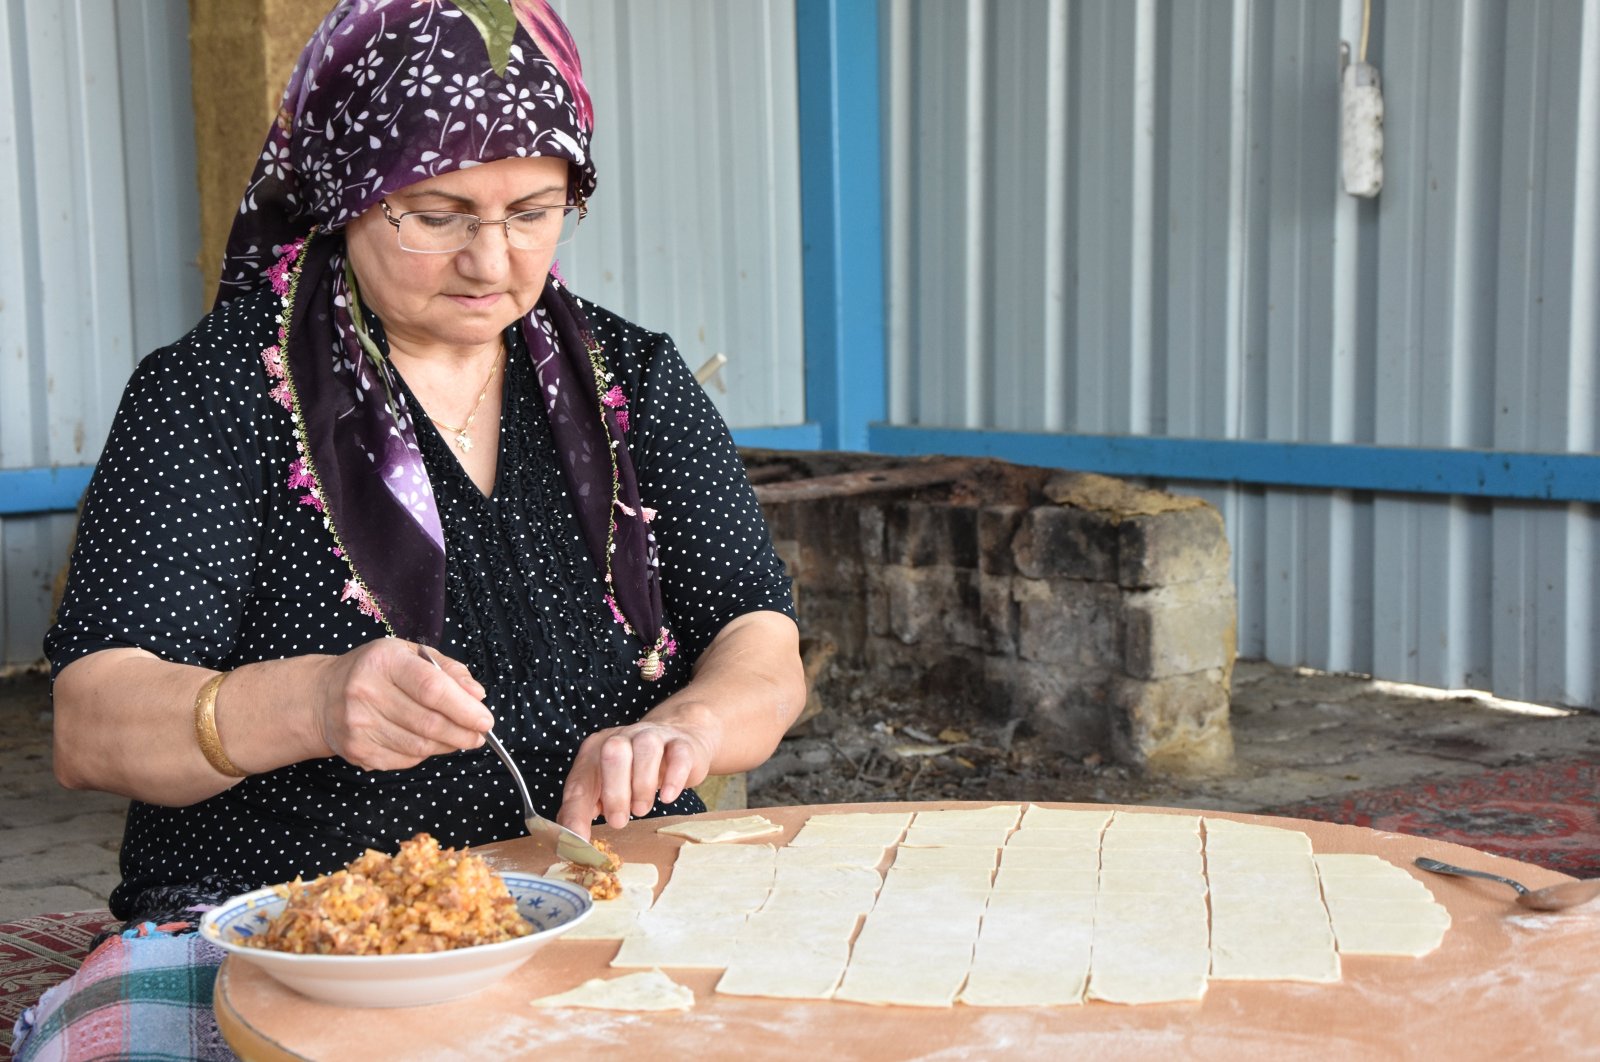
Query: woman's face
x=461, y=300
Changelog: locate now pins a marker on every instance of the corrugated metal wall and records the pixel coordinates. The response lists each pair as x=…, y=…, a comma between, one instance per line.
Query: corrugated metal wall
x=97, y=203
x=1124, y=216
x=695, y=229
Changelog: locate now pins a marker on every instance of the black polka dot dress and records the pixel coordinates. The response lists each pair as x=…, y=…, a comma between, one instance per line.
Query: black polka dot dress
x=193, y=546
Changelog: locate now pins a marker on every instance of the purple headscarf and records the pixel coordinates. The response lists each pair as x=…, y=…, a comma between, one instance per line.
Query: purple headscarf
x=387, y=93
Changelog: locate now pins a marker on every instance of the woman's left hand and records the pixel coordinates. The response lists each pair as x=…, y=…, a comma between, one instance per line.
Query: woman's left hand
x=748, y=687
x=619, y=772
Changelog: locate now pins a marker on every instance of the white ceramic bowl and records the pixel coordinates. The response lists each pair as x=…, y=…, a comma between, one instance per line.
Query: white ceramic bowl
x=553, y=907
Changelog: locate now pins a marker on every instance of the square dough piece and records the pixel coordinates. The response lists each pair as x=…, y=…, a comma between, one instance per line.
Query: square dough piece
x=1045, y=879
x=648, y=991
x=1241, y=836
x=1009, y=987
x=1138, y=820
x=896, y=984
x=1000, y=816
x=879, y=820
x=1171, y=975
x=638, y=881
x=606, y=923
x=1266, y=962
x=841, y=837
x=921, y=858
x=684, y=950
x=955, y=836
x=1013, y=857
x=718, y=831
x=1032, y=837
x=828, y=879
x=858, y=855
x=1066, y=818
x=944, y=879
x=742, y=856
x=787, y=980
x=1144, y=842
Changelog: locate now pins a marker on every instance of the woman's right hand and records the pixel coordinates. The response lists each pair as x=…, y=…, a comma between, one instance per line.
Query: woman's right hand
x=384, y=707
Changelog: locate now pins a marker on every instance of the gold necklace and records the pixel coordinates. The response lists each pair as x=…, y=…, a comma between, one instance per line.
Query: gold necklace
x=462, y=439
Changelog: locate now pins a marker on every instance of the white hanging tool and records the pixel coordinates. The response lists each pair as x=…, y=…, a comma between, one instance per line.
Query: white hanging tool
x=1361, y=119
x=711, y=372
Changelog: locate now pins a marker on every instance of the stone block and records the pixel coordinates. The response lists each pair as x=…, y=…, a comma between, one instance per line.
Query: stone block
x=1069, y=621
x=923, y=534
x=870, y=529
x=1176, y=725
x=997, y=615
x=997, y=528
x=1161, y=549
x=1175, y=630
x=937, y=605
x=1058, y=541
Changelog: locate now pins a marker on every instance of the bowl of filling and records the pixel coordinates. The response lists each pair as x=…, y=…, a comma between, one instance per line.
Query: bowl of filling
x=426, y=925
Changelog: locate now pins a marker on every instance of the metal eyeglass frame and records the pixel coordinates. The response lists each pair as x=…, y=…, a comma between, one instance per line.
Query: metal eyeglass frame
x=582, y=206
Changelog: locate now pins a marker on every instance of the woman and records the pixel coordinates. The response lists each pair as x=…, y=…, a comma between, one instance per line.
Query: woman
x=398, y=428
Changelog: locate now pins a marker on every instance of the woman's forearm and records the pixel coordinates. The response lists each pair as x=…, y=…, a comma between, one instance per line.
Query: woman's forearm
x=747, y=690
x=124, y=723
x=125, y=719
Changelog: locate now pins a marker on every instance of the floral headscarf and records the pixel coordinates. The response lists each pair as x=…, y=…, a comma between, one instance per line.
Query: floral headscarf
x=386, y=93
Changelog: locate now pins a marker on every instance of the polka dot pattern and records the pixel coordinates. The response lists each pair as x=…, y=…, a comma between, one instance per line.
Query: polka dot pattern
x=192, y=546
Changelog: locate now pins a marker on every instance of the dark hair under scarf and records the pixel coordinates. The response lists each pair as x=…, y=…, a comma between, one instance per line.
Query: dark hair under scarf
x=387, y=93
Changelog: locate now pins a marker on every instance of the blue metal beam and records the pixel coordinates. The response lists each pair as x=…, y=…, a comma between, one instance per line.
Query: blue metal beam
x=784, y=437
x=841, y=218
x=1388, y=469
x=42, y=490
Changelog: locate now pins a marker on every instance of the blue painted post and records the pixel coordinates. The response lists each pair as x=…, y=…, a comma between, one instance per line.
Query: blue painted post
x=841, y=205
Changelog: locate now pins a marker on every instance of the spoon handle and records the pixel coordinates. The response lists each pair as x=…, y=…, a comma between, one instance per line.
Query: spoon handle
x=1445, y=868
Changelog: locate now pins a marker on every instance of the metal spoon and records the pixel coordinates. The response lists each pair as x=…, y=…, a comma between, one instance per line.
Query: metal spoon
x=569, y=846
x=1550, y=898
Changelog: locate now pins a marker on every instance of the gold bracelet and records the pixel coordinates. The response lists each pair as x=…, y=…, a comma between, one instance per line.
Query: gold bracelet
x=205, y=728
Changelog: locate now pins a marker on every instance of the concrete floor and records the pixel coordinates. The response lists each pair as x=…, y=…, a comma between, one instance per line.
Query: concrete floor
x=1299, y=736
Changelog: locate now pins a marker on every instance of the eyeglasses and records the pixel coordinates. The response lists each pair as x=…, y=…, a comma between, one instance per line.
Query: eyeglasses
x=447, y=231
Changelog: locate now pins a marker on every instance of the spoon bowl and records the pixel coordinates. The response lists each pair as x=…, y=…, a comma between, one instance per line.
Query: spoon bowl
x=1550, y=898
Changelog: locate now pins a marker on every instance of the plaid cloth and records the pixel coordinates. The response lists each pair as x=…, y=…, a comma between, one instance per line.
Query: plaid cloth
x=143, y=995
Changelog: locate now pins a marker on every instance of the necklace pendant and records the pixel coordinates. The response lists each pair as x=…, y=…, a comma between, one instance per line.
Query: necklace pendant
x=463, y=441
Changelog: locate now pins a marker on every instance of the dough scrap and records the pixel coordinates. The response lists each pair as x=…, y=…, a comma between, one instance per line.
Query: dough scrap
x=717, y=831
x=651, y=990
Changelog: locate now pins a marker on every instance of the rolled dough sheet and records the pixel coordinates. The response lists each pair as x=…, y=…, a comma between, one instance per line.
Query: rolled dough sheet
x=651, y=990
x=1380, y=910
x=717, y=831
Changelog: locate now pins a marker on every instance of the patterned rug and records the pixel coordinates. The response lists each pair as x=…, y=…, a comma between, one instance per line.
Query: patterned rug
x=1547, y=814
x=37, y=953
